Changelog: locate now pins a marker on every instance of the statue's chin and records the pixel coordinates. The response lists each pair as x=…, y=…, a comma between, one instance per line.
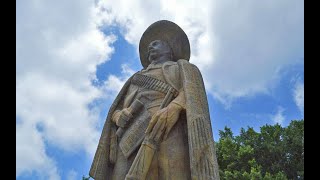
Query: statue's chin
x=153, y=57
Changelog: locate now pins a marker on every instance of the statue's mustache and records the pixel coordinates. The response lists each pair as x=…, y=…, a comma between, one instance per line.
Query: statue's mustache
x=151, y=49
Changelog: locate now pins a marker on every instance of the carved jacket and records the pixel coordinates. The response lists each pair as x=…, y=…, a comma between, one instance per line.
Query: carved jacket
x=203, y=162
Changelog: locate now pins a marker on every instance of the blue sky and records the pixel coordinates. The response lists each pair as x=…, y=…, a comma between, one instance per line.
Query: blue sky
x=73, y=57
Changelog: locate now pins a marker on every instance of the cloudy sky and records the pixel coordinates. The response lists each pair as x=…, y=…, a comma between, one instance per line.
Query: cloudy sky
x=74, y=56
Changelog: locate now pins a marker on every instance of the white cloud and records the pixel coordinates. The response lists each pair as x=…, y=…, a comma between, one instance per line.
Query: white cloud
x=254, y=40
x=114, y=83
x=278, y=117
x=240, y=46
x=72, y=175
x=30, y=145
x=58, y=47
x=298, y=94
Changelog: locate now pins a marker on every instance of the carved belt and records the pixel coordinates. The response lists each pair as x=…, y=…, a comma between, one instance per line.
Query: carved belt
x=153, y=84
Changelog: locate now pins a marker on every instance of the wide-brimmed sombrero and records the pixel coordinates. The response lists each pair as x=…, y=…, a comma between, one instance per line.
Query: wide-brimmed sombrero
x=166, y=31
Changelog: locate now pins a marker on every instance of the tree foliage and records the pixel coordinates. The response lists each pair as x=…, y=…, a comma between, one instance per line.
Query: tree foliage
x=273, y=153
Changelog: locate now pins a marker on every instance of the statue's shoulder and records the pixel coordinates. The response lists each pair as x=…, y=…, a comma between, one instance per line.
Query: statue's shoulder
x=176, y=63
x=170, y=66
x=180, y=61
x=170, y=63
x=183, y=62
x=174, y=67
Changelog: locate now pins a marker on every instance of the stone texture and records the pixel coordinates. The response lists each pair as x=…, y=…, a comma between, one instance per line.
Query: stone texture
x=159, y=125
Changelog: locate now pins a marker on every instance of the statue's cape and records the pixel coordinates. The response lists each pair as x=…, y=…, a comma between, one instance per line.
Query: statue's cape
x=101, y=168
x=203, y=161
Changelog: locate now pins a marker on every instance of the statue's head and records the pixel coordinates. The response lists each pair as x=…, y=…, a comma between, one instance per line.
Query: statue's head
x=163, y=41
x=159, y=51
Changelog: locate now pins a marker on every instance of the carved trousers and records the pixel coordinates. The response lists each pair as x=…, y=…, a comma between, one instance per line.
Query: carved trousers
x=171, y=160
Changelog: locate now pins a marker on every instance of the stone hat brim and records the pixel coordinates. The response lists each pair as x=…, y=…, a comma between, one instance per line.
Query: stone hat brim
x=166, y=31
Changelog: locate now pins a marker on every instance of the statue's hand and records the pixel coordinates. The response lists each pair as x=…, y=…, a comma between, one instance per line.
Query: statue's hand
x=121, y=118
x=163, y=121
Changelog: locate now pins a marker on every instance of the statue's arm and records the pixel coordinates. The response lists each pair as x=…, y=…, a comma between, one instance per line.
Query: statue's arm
x=171, y=72
x=168, y=116
x=180, y=100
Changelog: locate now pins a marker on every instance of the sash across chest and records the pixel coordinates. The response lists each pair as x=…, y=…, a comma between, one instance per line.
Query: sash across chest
x=153, y=84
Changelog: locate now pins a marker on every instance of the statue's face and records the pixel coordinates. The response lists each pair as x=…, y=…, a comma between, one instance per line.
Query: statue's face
x=156, y=49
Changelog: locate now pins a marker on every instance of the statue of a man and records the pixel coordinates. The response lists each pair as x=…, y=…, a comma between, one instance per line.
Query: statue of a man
x=159, y=126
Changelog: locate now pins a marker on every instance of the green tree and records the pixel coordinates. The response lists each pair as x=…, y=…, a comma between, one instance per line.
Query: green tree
x=273, y=153
x=294, y=154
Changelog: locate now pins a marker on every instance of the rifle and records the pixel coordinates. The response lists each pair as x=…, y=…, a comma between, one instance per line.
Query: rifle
x=133, y=109
x=143, y=159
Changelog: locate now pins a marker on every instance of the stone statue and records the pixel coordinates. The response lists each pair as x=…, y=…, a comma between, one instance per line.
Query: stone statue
x=159, y=126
